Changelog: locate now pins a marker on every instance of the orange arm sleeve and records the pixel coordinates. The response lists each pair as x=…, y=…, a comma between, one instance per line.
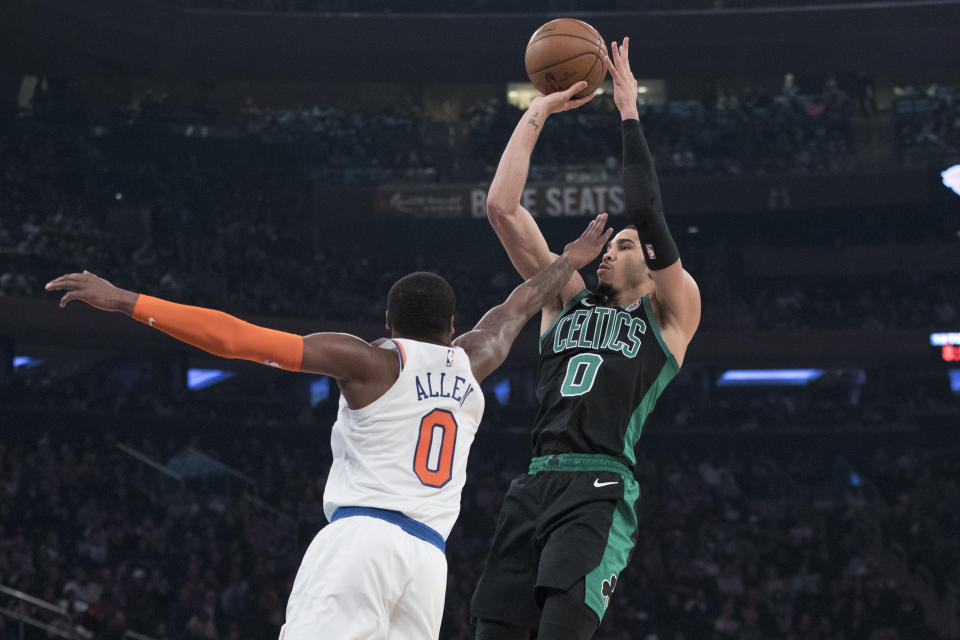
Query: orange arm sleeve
x=221, y=334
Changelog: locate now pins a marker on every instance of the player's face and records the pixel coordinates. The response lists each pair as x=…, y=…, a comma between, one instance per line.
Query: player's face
x=622, y=267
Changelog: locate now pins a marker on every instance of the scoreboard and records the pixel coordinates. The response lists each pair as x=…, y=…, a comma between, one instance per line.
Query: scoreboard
x=946, y=346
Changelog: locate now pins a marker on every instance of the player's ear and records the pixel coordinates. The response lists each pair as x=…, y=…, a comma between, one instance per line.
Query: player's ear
x=452, y=330
x=386, y=320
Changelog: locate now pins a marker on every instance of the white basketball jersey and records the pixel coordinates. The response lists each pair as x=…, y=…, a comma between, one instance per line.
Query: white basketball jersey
x=407, y=450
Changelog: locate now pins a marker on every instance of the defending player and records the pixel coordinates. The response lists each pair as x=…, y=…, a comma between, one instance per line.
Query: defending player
x=409, y=409
x=567, y=528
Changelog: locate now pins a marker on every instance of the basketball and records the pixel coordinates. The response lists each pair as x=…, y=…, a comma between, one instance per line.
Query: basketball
x=563, y=52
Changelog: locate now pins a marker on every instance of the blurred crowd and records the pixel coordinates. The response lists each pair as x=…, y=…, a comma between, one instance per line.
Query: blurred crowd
x=752, y=129
x=749, y=132
x=255, y=268
x=118, y=388
x=238, y=225
x=236, y=230
x=823, y=302
x=497, y=6
x=77, y=532
x=731, y=545
x=927, y=121
x=347, y=145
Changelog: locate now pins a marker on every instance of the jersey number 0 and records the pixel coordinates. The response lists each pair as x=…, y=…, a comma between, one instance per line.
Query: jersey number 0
x=435, y=469
x=581, y=373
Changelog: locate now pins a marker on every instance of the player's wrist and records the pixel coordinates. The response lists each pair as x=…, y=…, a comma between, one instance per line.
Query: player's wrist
x=125, y=301
x=629, y=114
x=569, y=259
x=537, y=113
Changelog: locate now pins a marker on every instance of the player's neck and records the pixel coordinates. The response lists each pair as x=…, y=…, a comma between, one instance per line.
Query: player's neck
x=629, y=296
x=435, y=340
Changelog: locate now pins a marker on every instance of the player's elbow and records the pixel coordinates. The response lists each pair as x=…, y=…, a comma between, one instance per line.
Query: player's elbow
x=498, y=210
x=224, y=348
x=224, y=343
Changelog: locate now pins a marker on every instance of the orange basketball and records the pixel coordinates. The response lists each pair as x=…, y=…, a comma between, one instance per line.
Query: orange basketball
x=563, y=52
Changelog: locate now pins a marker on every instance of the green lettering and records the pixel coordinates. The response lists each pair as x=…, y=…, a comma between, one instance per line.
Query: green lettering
x=636, y=325
x=602, y=315
x=610, y=334
x=559, y=342
x=576, y=327
x=581, y=320
x=622, y=317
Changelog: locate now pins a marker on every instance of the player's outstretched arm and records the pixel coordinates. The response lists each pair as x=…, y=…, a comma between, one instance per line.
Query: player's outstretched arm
x=513, y=224
x=676, y=291
x=342, y=356
x=213, y=331
x=489, y=342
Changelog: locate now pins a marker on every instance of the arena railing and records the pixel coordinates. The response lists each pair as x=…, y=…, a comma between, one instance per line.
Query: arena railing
x=61, y=625
x=145, y=464
x=285, y=528
x=285, y=525
x=215, y=467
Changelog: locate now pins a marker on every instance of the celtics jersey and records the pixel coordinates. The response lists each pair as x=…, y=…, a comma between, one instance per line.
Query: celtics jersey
x=600, y=373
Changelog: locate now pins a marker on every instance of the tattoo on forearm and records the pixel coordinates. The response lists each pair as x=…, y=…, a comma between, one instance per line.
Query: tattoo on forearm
x=533, y=121
x=548, y=283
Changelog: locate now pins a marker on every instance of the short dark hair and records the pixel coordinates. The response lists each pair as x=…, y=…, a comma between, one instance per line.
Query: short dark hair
x=420, y=305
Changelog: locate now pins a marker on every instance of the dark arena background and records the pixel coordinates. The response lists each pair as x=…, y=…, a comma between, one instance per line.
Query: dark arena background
x=286, y=160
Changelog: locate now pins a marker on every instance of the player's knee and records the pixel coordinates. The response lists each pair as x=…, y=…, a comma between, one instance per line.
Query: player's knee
x=497, y=630
x=566, y=617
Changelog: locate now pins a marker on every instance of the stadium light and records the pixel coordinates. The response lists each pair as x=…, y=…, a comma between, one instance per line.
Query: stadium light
x=954, y=380
x=502, y=391
x=202, y=378
x=769, y=377
x=319, y=390
x=951, y=178
x=25, y=361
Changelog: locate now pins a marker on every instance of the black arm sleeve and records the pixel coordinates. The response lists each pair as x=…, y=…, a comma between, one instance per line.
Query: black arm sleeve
x=641, y=194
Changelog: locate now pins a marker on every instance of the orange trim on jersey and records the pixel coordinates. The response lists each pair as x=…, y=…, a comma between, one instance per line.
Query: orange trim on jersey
x=403, y=354
x=221, y=334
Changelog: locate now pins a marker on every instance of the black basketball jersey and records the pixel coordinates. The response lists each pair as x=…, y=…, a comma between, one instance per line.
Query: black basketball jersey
x=600, y=373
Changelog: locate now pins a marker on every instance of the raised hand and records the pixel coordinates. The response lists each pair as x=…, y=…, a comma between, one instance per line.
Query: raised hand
x=588, y=246
x=562, y=100
x=93, y=290
x=624, y=84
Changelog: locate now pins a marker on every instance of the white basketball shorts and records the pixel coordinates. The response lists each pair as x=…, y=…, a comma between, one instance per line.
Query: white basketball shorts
x=366, y=579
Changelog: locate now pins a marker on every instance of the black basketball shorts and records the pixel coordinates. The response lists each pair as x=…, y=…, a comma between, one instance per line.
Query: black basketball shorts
x=572, y=517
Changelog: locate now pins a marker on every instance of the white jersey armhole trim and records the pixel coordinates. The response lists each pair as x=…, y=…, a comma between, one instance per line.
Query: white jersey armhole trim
x=401, y=356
